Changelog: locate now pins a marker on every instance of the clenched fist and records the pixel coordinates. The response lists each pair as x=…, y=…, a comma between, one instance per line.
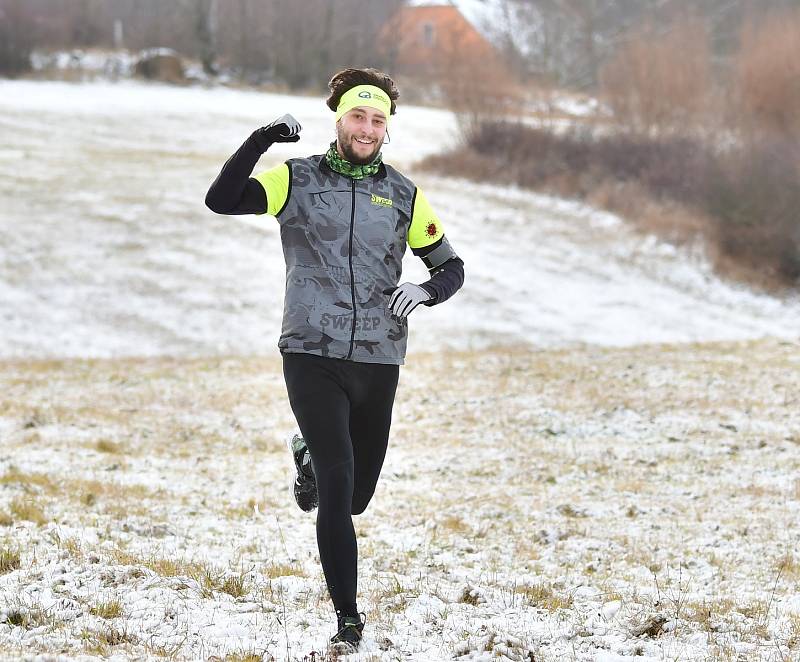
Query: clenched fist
x=285, y=129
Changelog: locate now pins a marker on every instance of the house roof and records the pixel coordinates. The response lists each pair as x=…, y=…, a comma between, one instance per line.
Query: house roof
x=496, y=21
x=480, y=13
x=412, y=22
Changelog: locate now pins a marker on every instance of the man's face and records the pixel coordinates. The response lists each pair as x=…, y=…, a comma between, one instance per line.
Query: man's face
x=360, y=133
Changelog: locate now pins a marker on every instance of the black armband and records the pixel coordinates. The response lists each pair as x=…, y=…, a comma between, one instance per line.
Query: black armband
x=436, y=254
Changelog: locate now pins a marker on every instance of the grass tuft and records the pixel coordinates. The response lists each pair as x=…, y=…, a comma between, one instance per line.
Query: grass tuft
x=110, y=609
x=108, y=446
x=28, y=509
x=275, y=570
x=244, y=656
x=789, y=567
x=541, y=595
x=235, y=585
x=9, y=560
x=471, y=596
x=28, y=480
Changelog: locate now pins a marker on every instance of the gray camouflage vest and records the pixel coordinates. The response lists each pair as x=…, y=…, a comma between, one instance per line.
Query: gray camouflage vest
x=343, y=241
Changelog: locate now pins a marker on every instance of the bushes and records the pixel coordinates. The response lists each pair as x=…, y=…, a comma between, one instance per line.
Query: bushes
x=755, y=201
x=767, y=76
x=660, y=81
x=677, y=161
x=744, y=200
x=668, y=168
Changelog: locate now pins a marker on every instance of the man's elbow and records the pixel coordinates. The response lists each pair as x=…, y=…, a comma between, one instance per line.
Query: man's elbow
x=215, y=205
x=458, y=271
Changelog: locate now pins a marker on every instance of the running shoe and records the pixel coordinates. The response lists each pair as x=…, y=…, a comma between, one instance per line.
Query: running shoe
x=350, y=630
x=305, y=485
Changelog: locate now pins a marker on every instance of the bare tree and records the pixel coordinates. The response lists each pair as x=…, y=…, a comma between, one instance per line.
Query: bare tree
x=568, y=41
x=300, y=43
x=17, y=36
x=205, y=17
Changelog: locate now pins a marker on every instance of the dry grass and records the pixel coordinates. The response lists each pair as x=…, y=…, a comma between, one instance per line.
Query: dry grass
x=109, y=609
x=166, y=567
x=275, y=570
x=31, y=482
x=612, y=461
x=102, y=641
x=31, y=616
x=793, y=638
x=251, y=507
x=709, y=615
x=209, y=578
x=39, y=489
x=9, y=560
x=108, y=446
x=454, y=525
x=390, y=600
x=235, y=585
x=544, y=597
x=28, y=509
x=243, y=656
x=789, y=567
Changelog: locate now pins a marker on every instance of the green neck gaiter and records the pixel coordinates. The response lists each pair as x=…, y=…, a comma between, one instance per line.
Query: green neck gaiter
x=348, y=169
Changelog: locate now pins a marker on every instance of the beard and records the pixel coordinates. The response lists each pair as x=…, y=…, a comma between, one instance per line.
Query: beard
x=345, y=143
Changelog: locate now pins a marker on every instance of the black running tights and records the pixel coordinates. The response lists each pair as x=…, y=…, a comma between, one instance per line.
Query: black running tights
x=344, y=410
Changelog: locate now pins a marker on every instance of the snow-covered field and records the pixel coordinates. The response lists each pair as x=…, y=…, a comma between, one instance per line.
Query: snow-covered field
x=596, y=444
x=109, y=250
x=584, y=504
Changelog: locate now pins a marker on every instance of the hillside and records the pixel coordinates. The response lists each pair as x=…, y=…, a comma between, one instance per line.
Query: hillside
x=108, y=249
x=595, y=446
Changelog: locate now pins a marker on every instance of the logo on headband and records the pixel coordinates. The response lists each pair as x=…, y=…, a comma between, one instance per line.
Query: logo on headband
x=366, y=94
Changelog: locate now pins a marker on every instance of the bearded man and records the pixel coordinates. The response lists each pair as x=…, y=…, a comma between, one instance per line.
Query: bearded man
x=345, y=219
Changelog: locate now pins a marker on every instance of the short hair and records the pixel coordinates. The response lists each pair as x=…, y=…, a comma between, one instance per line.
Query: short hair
x=347, y=79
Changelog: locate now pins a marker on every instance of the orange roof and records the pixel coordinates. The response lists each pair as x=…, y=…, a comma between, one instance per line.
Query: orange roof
x=421, y=34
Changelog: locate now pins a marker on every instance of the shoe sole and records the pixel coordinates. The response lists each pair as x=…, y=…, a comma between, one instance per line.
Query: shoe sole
x=295, y=473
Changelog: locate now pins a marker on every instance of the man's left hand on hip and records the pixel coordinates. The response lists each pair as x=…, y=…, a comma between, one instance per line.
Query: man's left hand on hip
x=405, y=298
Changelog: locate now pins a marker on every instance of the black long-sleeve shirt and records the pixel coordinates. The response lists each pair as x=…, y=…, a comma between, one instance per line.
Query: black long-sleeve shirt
x=235, y=192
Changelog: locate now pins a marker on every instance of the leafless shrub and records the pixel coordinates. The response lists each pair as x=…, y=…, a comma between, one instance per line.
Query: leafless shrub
x=767, y=75
x=754, y=199
x=160, y=65
x=743, y=201
x=659, y=81
x=477, y=88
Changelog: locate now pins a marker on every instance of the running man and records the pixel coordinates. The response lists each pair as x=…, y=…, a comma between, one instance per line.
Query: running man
x=345, y=218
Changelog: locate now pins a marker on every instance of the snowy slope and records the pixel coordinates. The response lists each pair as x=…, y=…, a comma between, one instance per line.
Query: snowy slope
x=108, y=250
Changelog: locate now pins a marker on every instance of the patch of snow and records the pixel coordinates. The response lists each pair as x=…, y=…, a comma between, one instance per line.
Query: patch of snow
x=108, y=249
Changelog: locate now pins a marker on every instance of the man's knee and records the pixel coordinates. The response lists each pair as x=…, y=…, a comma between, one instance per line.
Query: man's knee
x=335, y=485
x=360, y=502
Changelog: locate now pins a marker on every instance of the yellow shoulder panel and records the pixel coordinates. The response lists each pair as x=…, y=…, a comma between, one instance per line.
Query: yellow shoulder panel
x=276, y=184
x=426, y=227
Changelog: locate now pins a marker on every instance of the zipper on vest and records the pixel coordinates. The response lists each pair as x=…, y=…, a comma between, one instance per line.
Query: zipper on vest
x=352, y=277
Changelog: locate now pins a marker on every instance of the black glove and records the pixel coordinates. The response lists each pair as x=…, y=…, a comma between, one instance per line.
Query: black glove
x=285, y=129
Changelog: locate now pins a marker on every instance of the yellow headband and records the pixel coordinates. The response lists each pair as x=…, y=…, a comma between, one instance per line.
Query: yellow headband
x=364, y=95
